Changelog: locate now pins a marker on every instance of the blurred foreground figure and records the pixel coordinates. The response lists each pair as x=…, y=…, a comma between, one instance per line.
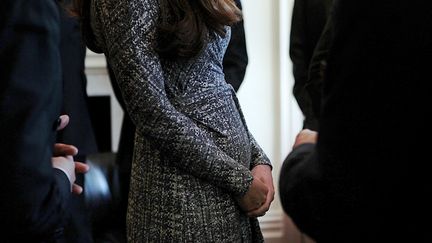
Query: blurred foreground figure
x=366, y=180
x=37, y=176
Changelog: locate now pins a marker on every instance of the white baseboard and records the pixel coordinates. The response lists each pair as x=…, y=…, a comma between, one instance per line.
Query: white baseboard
x=272, y=226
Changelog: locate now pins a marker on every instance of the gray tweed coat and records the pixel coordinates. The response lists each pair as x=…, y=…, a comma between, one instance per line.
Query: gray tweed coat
x=193, y=151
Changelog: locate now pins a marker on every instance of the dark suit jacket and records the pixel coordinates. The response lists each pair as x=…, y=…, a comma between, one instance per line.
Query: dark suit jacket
x=236, y=59
x=367, y=179
x=314, y=85
x=308, y=21
x=79, y=131
x=34, y=196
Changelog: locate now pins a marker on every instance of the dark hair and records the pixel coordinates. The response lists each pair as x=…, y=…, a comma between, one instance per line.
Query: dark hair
x=184, y=24
x=75, y=8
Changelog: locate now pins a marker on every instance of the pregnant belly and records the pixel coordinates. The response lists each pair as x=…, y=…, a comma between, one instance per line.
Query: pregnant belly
x=216, y=113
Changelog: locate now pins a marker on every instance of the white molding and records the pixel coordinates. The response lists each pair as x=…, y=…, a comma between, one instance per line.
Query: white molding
x=272, y=225
x=98, y=84
x=95, y=63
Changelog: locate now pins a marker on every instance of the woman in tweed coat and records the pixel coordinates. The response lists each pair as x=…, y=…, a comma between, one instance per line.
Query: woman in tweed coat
x=198, y=174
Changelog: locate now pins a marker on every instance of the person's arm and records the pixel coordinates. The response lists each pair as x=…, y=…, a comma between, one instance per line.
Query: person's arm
x=300, y=54
x=34, y=195
x=316, y=72
x=140, y=76
x=236, y=58
x=298, y=173
x=299, y=187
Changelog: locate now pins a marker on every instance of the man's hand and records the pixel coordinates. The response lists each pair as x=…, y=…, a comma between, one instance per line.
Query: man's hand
x=67, y=165
x=61, y=149
x=62, y=122
x=305, y=136
x=63, y=159
x=79, y=168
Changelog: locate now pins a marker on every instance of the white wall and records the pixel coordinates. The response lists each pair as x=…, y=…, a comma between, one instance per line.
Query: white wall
x=266, y=97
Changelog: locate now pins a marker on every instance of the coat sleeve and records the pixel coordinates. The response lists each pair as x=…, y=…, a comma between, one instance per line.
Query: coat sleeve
x=316, y=73
x=33, y=194
x=300, y=54
x=298, y=188
x=128, y=31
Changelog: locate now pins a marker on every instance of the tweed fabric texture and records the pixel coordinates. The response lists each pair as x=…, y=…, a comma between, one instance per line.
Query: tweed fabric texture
x=193, y=152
